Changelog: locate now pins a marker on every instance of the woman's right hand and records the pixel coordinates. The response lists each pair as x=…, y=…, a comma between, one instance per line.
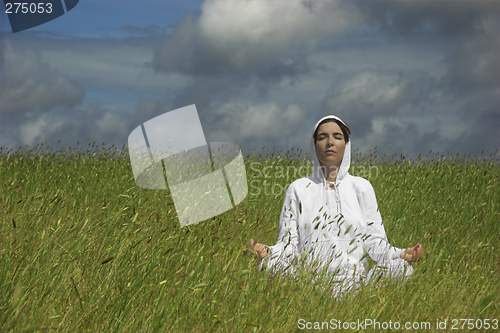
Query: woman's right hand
x=260, y=249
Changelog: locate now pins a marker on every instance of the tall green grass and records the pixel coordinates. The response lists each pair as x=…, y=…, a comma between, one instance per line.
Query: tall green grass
x=83, y=249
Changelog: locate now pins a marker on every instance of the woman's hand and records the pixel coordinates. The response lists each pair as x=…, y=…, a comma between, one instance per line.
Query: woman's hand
x=260, y=250
x=413, y=253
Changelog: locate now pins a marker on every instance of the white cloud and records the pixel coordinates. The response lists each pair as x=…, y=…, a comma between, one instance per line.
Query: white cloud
x=368, y=94
x=475, y=62
x=112, y=124
x=241, y=35
x=29, y=85
x=248, y=31
x=92, y=121
x=255, y=125
x=39, y=129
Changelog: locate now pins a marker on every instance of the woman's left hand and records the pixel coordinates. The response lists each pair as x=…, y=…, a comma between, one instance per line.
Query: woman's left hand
x=413, y=253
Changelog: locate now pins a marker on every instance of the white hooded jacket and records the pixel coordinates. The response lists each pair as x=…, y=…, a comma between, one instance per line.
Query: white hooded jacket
x=332, y=228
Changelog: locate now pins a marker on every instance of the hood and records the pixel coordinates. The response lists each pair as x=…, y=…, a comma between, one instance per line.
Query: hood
x=346, y=160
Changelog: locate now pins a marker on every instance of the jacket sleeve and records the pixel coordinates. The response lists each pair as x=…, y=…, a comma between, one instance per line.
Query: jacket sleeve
x=284, y=251
x=375, y=239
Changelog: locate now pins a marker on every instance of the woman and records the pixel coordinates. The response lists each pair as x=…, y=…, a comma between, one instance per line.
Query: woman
x=330, y=219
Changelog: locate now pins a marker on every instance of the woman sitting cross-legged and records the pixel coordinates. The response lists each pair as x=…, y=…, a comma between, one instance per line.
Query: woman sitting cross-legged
x=330, y=219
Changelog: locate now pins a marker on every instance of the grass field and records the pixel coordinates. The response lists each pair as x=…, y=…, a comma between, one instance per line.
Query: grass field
x=83, y=249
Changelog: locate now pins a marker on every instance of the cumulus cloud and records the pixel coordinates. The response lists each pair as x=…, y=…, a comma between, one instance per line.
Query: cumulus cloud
x=37, y=130
x=480, y=118
x=148, y=108
x=429, y=18
x=252, y=30
x=366, y=95
x=474, y=63
x=242, y=35
x=402, y=137
x=258, y=125
x=56, y=130
x=100, y=122
x=426, y=77
x=29, y=85
x=415, y=109
x=474, y=78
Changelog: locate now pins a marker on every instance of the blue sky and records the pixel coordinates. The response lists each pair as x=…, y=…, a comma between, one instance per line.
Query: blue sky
x=408, y=76
x=100, y=19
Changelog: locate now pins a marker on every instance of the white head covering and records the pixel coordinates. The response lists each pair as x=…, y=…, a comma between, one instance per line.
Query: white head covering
x=344, y=166
x=346, y=160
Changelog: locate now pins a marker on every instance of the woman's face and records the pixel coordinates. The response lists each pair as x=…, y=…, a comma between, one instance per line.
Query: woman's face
x=330, y=144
